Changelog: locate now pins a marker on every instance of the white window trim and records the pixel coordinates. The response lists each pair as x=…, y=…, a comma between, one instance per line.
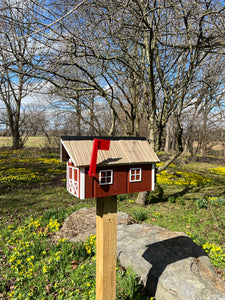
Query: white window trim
x=135, y=180
x=100, y=177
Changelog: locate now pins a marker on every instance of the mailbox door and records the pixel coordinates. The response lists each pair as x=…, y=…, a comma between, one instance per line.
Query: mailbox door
x=73, y=180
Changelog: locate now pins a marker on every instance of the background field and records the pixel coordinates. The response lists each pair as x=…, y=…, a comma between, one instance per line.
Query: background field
x=189, y=197
x=32, y=142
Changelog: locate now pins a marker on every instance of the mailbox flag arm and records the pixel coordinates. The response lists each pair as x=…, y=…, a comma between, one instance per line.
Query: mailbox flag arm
x=97, y=145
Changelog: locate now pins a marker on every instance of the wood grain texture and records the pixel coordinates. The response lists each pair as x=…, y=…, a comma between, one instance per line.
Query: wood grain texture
x=106, y=238
x=122, y=151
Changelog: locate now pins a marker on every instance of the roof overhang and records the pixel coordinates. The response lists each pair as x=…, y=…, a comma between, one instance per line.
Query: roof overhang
x=123, y=150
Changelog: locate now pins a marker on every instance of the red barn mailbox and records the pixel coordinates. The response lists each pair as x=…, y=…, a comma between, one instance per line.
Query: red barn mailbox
x=102, y=168
x=126, y=166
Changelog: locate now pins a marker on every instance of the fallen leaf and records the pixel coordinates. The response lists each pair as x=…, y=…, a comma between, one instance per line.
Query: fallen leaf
x=48, y=288
x=74, y=264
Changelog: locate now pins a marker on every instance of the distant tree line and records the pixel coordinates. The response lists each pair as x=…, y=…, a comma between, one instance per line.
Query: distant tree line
x=134, y=68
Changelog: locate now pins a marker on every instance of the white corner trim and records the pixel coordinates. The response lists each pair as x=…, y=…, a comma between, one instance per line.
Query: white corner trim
x=82, y=183
x=153, y=176
x=67, y=175
x=60, y=151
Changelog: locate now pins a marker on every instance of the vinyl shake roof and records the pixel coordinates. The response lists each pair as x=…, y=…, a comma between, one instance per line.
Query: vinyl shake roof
x=122, y=151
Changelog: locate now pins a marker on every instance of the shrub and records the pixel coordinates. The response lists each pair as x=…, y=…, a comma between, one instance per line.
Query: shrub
x=140, y=215
x=122, y=197
x=216, y=201
x=172, y=199
x=181, y=201
x=201, y=203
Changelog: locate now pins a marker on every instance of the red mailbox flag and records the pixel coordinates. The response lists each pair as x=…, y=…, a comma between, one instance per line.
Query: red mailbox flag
x=97, y=145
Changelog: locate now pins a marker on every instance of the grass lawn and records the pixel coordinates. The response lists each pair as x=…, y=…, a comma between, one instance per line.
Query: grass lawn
x=33, y=205
x=32, y=142
x=190, y=197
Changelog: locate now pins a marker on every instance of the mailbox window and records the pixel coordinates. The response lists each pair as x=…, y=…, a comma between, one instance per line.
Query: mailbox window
x=106, y=177
x=135, y=174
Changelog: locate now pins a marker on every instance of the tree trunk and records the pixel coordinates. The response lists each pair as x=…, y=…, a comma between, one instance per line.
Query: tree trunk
x=142, y=197
x=14, y=127
x=203, y=133
x=151, y=131
x=222, y=131
x=168, y=136
x=16, y=139
x=78, y=115
x=92, y=128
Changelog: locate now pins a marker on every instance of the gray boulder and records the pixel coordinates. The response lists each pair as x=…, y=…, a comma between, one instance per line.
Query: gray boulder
x=82, y=223
x=170, y=264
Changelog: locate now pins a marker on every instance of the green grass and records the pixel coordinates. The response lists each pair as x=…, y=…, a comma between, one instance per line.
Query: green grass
x=34, y=204
x=189, y=198
x=32, y=142
x=5, y=142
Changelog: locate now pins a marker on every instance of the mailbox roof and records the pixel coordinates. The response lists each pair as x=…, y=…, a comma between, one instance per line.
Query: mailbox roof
x=123, y=150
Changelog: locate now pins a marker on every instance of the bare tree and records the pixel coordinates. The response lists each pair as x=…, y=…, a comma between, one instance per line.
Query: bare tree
x=142, y=60
x=146, y=54
x=203, y=117
x=17, y=51
x=149, y=55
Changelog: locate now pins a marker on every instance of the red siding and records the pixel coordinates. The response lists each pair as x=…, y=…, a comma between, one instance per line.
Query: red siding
x=73, y=173
x=71, y=164
x=145, y=184
x=119, y=182
x=89, y=185
x=64, y=154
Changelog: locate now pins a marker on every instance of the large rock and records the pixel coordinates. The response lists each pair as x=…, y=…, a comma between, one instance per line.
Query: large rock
x=170, y=264
x=82, y=223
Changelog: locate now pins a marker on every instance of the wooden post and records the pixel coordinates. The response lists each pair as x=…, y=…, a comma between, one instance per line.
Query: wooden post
x=106, y=239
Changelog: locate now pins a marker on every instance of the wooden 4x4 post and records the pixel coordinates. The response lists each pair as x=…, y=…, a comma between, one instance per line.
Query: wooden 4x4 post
x=106, y=228
x=106, y=236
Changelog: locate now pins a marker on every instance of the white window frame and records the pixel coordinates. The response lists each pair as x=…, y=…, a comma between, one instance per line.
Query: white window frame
x=136, y=174
x=100, y=177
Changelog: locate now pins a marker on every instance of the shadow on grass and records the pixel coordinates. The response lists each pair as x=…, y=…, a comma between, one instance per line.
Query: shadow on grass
x=4, y=189
x=160, y=196
x=222, y=194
